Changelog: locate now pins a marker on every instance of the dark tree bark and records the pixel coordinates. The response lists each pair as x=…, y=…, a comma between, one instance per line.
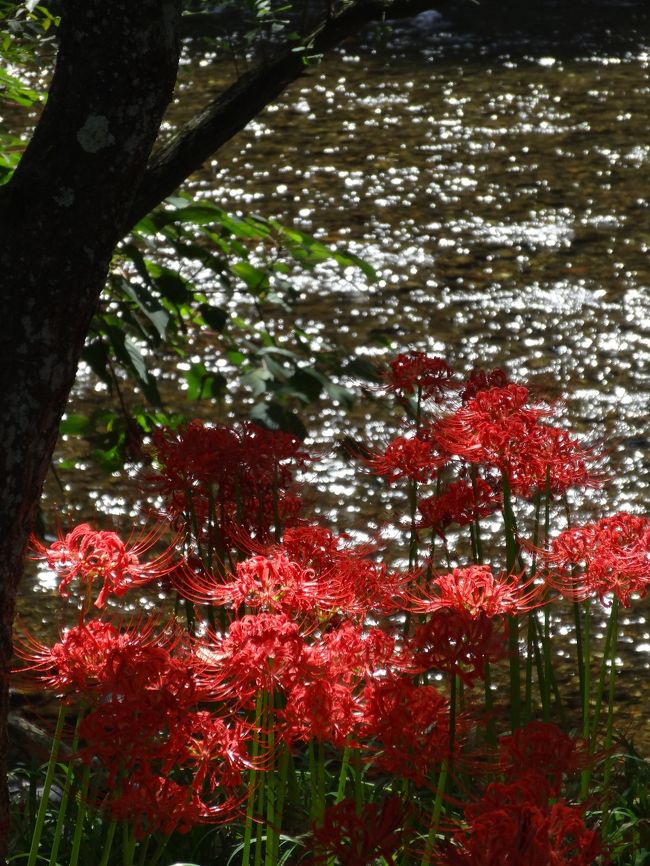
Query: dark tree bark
x=60, y=218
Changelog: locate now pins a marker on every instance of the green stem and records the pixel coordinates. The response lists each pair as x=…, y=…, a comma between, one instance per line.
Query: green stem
x=108, y=844
x=413, y=539
x=435, y=816
x=272, y=830
x=343, y=775
x=65, y=796
x=81, y=817
x=489, y=706
x=252, y=779
x=512, y=549
x=47, y=785
x=281, y=797
x=608, y=650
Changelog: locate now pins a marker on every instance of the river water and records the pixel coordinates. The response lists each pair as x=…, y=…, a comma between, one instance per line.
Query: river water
x=500, y=184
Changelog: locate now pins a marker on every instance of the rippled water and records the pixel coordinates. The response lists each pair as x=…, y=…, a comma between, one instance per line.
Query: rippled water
x=501, y=188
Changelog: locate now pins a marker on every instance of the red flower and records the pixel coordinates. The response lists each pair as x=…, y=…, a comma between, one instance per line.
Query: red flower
x=360, y=839
x=491, y=428
x=320, y=708
x=91, y=555
x=313, y=546
x=409, y=725
x=260, y=652
x=550, y=458
x=90, y=658
x=513, y=825
x=544, y=749
x=462, y=502
x=498, y=428
x=475, y=591
x=609, y=556
x=480, y=380
x=413, y=458
x=225, y=482
x=157, y=803
x=457, y=643
x=416, y=371
x=276, y=585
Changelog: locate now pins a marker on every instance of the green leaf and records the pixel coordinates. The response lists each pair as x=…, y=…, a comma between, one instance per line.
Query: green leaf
x=306, y=383
x=110, y=459
x=363, y=369
x=256, y=380
x=204, y=383
x=150, y=306
x=172, y=286
x=96, y=354
x=341, y=395
x=256, y=279
x=276, y=417
x=214, y=317
x=76, y=425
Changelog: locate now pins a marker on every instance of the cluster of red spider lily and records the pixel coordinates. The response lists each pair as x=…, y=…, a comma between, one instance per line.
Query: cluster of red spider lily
x=313, y=676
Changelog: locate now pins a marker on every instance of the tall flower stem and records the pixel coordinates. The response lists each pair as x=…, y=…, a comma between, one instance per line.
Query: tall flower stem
x=81, y=817
x=413, y=537
x=281, y=789
x=252, y=779
x=435, y=816
x=608, y=660
x=343, y=775
x=65, y=796
x=108, y=844
x=512, y=549
x=272, y=830
x=47, y=785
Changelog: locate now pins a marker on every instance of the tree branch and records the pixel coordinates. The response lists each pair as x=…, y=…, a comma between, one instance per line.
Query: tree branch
x=229, y=113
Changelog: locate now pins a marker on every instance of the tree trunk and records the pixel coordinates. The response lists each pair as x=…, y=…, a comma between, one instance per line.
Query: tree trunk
x=60, y=219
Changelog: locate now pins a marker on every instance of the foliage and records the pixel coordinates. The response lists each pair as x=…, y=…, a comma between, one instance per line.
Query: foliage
x=191, y=273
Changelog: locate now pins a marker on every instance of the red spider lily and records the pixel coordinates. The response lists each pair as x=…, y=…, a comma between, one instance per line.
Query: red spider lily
x=260, y=652
x=92, y=658
x=378, y=830
x=155, y=803
x=414, y=458
x=215, y=750
x=342, y=662
x=90, y=555
x=313, y=546
x=370, y=586
x=475, y=591
x=544, y=749
x=355, y=582
x=273, y=584
x=416, y=371
x=353, y=653
x=409, y=727
x=491, y=428
x=220, y=481
x=457, y=643
x=197, y=454
x=480, y=380
x=277, y=585
x=322, y=709
x=552, y=460
x=609, y=556
x=498, y=428
x=514, y=825
x=462, y=502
